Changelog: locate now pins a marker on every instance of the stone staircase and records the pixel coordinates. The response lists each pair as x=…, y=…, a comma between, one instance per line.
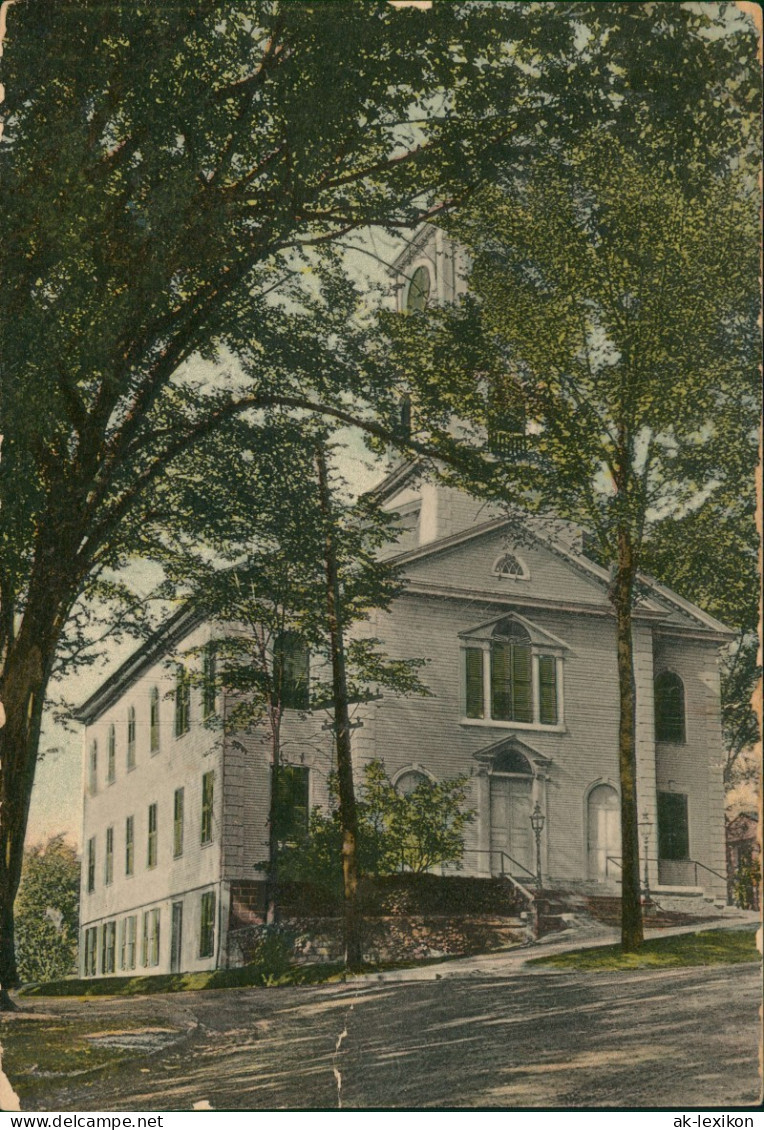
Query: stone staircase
x=584, y=910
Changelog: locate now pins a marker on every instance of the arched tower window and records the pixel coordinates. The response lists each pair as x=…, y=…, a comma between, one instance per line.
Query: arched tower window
x=419, y=290
x=511, y=673
x=669, y=708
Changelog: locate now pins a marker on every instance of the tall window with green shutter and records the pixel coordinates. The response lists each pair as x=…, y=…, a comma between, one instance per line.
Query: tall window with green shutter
x=177, y=824
x=548, y=690
x=511, y=674
x=208, y=793
x=154, y=720
x=473, y=658
x=207, y=924
x=151, y=852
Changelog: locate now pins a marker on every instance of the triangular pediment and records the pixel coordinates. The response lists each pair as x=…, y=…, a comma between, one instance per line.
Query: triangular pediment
x=499, y=757
x=538, y=636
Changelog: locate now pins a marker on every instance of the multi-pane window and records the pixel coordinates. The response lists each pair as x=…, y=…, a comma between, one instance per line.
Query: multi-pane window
x=673, y=826
x=93, y=765
x=182, y=701
x=128, y=931
x=508, y=678
x=669, y=708
x=91, y=945
x=111, y=763
x=177, y=823
x=207, y=924
x=209, y=681
x=91, y=863
x=129, y=845
x=154, y=720
x=151, y=847
x=108, y=861
x=150, y=946
x=292, y=802
x=208, y=793
x=291, y=671
x=108, y=946
x=131, y=738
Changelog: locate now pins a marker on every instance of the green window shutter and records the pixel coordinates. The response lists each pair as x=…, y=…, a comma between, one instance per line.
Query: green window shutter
x=501, y=686
x=522, y=683
x=548, y=690
x=473, y=658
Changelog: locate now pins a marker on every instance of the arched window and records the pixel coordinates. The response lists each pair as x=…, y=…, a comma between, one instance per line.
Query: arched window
x=410, y=780
x=131, y=738
x=511, y=677
x=154, y=720
x=111, y=766
x=419, y=290
x=669, y=708
x=291, y=671
x=510, y=566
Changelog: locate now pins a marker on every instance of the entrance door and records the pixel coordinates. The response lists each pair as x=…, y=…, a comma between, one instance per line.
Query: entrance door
x=176, y=940
x=604, y=824
x=511, y=831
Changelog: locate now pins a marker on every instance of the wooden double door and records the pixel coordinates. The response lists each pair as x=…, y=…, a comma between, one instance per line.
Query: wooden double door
x=511, y=831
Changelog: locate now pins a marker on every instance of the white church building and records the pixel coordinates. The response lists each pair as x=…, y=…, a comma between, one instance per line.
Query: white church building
x=519, y=637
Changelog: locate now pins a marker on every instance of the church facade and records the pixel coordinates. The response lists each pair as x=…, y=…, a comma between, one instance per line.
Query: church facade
x=519, y=639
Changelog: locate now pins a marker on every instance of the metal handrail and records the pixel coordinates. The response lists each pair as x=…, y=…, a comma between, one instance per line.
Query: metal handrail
x=506, y=874
x=656, y=859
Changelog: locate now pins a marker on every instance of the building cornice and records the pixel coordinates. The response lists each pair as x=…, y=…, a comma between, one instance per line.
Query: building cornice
x=128, y=673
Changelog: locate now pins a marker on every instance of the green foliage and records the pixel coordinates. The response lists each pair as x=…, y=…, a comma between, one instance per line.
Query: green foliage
x=48, y=911
x=397, y=832
x=706, y=947
x=746, y=883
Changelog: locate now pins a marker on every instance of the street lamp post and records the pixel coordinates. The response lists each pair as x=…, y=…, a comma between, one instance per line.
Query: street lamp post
x=537, y=823
x=646, y=826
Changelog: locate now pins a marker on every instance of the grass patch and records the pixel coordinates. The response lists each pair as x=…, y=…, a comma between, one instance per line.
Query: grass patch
x=246, y=976
x=39, y=1054
x=707, y=947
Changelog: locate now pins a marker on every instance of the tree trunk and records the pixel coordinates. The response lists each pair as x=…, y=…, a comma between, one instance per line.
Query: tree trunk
x=272, y=910
x=347, y=805
x=23, y=689
x=622, y=595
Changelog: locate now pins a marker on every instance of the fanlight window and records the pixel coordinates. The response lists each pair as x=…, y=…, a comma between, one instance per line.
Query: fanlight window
x=512, y=761
x=669, y=708
x=510, y=566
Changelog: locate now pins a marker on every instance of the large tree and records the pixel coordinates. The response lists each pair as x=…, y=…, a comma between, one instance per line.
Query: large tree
x=166, y=166
x=287, y=565
x=611, y=317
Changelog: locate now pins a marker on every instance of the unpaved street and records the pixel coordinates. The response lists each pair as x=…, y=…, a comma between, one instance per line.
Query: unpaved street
x=508, y=1039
